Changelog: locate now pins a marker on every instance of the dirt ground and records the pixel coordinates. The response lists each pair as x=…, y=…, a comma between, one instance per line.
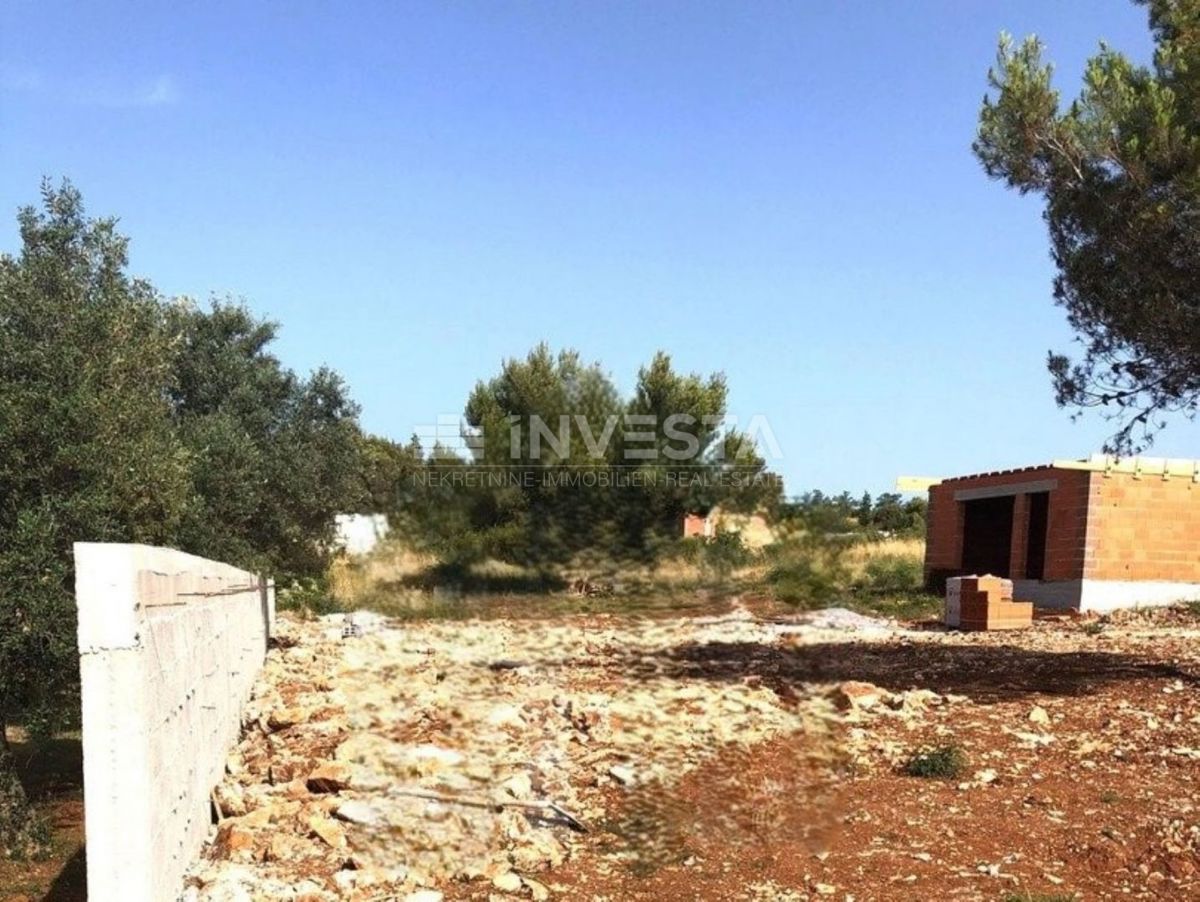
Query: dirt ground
x=736, y=755
x=53, y=777
x=1093, y=798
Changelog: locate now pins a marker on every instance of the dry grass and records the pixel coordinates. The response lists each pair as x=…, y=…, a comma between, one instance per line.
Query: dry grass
x=352, y=579
x=903, y=547
x=400, y=582
x=856, y=558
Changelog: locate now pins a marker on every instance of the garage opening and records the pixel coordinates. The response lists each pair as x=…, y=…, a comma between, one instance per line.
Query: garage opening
x=1035, y=547
x=987, y=535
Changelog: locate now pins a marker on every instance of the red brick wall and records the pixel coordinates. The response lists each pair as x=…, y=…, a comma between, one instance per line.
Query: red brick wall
x=1114, y=527
x=1067, y=526
x=943, y=537
x=1145, y=528
x=1066, y=534
x=1020, y=537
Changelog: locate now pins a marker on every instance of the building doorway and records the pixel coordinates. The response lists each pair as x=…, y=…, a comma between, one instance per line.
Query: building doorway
x=1035, y=537
x=987, y=535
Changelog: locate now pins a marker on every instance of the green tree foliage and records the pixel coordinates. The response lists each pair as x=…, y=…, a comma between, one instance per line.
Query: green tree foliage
x=385, y=476
x=566, y=469
x=274, y=456
x=124, y=418
x=888, y=514
x=892, y=515
x=87, y=450
x=525, y=430
x=1119, y=168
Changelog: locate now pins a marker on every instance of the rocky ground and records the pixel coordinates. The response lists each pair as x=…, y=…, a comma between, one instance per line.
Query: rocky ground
x=726, y=757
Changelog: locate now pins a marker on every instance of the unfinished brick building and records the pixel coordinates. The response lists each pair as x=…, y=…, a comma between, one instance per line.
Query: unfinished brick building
x=1093, y=535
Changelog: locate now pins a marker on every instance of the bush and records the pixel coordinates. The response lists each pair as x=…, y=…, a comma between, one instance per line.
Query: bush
x=944, y=762
x=689, y=550
x=807, y=571
x=24, y=833
x=307, y=596
x=804, y=584
x=724, y=553
x=893, y=574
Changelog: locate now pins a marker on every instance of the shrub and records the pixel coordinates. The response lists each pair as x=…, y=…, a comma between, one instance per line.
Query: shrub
x=24, y=833
x=893, y=574
x=804, y=583
x=807, y=571
x=689, y=550
x=724, y=553
x=310, y=596
x=944, y=762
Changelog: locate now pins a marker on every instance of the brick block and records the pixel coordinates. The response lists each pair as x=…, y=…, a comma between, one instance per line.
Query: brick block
x=984, y=603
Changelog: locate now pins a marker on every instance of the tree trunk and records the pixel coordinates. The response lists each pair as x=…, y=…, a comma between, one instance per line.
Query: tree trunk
x=23, y=834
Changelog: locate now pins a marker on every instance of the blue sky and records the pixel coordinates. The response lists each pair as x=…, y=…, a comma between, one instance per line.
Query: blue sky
x=782, y=191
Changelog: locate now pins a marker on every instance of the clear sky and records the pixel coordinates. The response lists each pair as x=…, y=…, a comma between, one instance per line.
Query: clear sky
x=782, y=191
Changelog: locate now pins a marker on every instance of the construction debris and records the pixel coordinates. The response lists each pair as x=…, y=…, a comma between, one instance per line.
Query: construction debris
x=713, y=757
x=414, y=756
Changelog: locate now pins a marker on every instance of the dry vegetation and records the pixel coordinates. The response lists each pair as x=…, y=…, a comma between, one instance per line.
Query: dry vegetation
x=863, y=553
x=881, y=575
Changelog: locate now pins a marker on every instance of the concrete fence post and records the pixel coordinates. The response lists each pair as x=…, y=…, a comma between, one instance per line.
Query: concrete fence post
x=169, y=647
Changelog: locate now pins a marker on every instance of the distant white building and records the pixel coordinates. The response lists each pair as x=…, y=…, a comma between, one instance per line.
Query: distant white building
x=359, y=533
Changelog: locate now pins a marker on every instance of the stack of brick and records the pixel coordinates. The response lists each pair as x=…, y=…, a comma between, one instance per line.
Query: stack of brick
x=985, y=603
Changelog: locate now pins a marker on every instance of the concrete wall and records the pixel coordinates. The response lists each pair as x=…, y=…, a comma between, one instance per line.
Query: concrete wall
x=1104, y=595
x=169, y=648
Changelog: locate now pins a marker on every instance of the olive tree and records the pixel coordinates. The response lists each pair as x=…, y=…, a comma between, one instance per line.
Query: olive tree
x=87, y=449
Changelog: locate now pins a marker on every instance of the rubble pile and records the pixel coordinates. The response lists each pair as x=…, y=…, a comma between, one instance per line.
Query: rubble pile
x=712, y=757
x=385, y=762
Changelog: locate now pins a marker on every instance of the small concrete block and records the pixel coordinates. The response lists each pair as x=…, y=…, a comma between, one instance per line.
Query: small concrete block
x=953, y=607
